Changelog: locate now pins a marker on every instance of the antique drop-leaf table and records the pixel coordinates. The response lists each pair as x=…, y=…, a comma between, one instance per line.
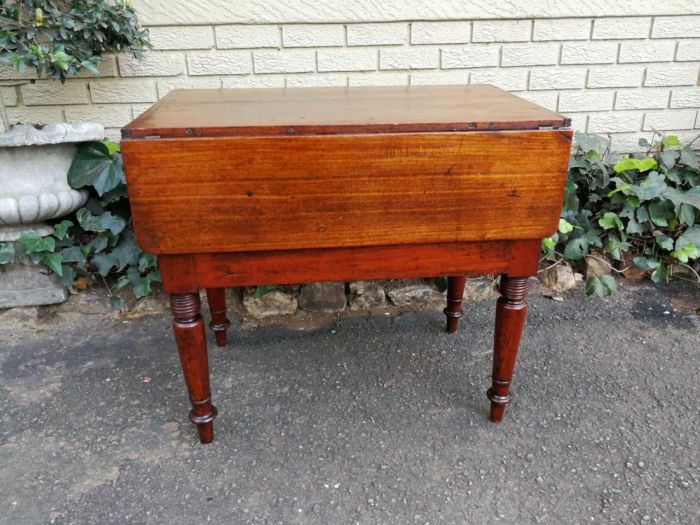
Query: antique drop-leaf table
x=241, y=187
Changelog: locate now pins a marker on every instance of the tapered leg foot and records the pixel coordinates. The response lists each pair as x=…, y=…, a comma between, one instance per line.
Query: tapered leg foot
x=192, y=347
x=510, y=318
x=453, y=311
x=216, y=297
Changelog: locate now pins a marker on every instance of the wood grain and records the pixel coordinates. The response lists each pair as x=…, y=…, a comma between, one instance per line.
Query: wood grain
x=249, y=194
x=331, y=110
x=184, y=273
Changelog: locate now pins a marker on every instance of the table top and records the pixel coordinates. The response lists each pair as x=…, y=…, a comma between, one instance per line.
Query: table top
x=336, y=110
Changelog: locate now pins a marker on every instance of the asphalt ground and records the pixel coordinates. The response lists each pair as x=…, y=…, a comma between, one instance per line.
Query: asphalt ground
x=377, y=419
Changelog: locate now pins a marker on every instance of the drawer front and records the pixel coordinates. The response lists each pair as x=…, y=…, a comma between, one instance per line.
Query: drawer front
x=199, y=195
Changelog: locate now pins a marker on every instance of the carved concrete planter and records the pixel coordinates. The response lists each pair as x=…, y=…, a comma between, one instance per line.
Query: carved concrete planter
x=34, y=188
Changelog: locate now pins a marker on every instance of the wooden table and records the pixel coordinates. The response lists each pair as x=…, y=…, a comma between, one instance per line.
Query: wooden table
x=279, y=186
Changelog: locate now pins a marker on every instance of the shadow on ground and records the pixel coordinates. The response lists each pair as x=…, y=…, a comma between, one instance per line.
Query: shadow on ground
x=369, y=420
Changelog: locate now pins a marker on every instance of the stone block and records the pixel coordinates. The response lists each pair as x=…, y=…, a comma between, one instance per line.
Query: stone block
x=366, y=294
x=275, y=302
x=23, y=285
x=322, y=297
x=411, y=294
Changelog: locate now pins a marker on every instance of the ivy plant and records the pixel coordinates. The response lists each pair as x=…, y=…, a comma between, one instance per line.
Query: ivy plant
x=98, y=241
x=58, y=38
x=644, y=207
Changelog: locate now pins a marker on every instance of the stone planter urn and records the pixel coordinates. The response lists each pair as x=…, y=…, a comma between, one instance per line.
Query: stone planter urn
x=34, y=188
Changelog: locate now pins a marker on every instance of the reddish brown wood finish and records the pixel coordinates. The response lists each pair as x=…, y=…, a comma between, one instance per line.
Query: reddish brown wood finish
x=510, y=319
x=453, y=311
x=216, y=298
x=275, y=193
x=252, y=187
x=321, y=111
x=192, y=347
x=181, y=273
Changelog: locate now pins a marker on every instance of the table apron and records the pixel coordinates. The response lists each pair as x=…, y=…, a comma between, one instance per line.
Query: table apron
x=190, y=272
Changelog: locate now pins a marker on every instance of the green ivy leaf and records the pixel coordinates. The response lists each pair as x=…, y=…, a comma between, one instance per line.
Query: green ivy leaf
x=610, y=220
x=7, y=253
x=548, y=244
x=117, y=302
x=689, y=251
x=100, y=223
x=609, y=282
x=262, y=290
x=112, y=147
x=633, y=227
x=651, y=187
x=34, y=243
x=73, y=254
x=68, y=275
x=631, y=164
x=690, y=197
x=53, y=262
x=146, y=261
x=565, y=226
x=689, y=236
x=660, y=211
x=660, y=275
x=668, y=158
x=127, y=251
x=441, y=283
x=104, y=262
x=142, y=288
x=61, y=229
x=665, y=242
x=686, y=214
x=601, y=286
x=646, y=264
x=689, y=158
x=576, y=249
x=671, y=141
x=94, y=165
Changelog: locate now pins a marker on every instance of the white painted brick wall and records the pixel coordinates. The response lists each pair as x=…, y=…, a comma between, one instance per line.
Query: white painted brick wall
x=441, y=32
x=621, y=68
x=621, y=28
x=530, y=55
x=219, y=63
x=502, y=31
x=377, y=34
x=247, y=37
x=309, y=35
x=676, y=27
x=183, y=37
x=562, y=29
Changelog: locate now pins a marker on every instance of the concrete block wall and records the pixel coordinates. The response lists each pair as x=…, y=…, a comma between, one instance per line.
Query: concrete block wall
x=617, y=69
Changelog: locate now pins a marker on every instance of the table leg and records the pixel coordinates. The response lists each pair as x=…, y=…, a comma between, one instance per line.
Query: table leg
x=216, y=297
x=453, y=311
x=510, y=318
x=192, y=347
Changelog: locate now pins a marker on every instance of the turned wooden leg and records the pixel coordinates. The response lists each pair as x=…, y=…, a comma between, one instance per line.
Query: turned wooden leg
x=510, y=318
x=216, y=297
x=453, y=311
x=192, y=346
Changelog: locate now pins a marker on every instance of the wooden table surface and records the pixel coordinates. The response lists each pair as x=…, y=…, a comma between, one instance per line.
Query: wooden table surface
x=284, y=186
x=294, y=111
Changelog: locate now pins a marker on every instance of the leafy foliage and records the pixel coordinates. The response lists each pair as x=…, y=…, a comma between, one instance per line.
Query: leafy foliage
x=59, y=38
x=646, y=205
x=98, y=239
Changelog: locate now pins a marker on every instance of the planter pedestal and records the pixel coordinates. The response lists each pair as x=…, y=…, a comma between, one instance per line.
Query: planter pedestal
x=29, y=285
x=34, y=164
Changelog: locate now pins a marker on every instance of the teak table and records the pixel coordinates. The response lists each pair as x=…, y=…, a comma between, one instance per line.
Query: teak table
x=279, y=186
